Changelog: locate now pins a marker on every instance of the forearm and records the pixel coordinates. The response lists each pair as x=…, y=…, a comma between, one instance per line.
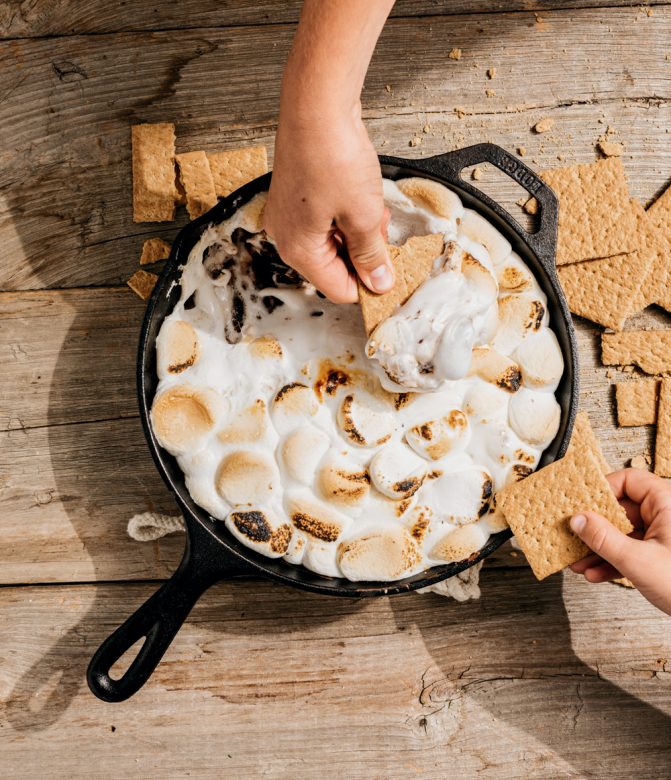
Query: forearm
x=332, y=49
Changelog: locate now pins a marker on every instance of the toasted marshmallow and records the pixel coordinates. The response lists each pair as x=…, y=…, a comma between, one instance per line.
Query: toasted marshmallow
x=245, y=478
x=386, y=555
x=258, y=529
x=480, y=278
x=514, y=277
x=266, y=348
x=343, y=482
x=382, y=509
x=418, y=521
x=534, y=416
x=302, y=450
x=397, y=472
x=182, y=416
x=314, y=517
x=540, y=359
x=484, y=403
x=249, y=425
x=496, y=368
x=294, y=404
x=462, y=497
x=519, y=317
x=459, y=544
x=479, y=230
x=433, y=196
x=496, y=521
x=296, y=548
x=177, y=347
x=363, y=421
x=434, y=439
x=320, y=557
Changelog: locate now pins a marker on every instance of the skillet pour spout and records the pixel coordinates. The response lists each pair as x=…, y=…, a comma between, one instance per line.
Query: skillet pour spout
x=211, y=553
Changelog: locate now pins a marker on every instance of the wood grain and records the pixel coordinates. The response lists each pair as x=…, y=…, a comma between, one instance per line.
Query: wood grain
x=69, y=17
x=68, y=104
x=264, y=681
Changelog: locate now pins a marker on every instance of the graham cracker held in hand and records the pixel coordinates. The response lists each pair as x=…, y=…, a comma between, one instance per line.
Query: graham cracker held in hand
x=413, y=263
x=596, y=218
x=236, y=167
x=650, y=350
x=637, y=402
x=196, y=178
x=154, y=190
x=142, y=283
x=656, y=286
x=663, y=440
x=153, y=250
x=538, y=508
x=583, y=436
x=605, y=291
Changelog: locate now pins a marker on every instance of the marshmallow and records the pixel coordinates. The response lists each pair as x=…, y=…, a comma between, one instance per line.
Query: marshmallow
x=397, y=472
x=320, y=558
x=434, y=439
x=246, y=478
x=266, y=348
x=182, y=416
x=540, y=359
x=485, y=403
x=519, y=316
x=296, y=548
x=459, y=544
x=477, y=229
x=534, y=416
x=480, y=278
x=462, y=497
x=433, y=196
x=496, y=368
x=314, y=517
x=256, y=528
x=293, y=404
x=343, y=482
x=363, y=422
x=302, y=450
x=383, y=556
x=177, y=347
x=418, y=521
x=514, y=277
x=382, y=509
x=249, y=425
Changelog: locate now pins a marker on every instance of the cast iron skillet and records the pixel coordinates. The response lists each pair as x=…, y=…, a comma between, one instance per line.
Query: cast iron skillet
x=211, y=552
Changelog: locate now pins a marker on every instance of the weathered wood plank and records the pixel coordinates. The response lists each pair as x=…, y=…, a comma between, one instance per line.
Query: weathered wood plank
x=269, y=682
x=69, y=17
x=65, y=216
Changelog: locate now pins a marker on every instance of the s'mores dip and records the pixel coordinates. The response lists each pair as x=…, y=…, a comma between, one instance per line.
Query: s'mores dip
x=359, y=441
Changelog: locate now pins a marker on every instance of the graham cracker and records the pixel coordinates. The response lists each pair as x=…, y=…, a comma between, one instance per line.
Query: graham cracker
x=153, y=250
x=655, y=288
x=236, y=167
x=142, y=283
x=583, y=436
x=538, y=508
x=413, y=263
x=196, y=178
x=154, y=191
x=637, y=402
x=650, y=350
x=596, y=218
x=663, y=440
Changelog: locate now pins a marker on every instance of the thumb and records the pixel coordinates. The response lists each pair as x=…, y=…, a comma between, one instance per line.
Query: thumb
x=603, y=538
x=368, y=254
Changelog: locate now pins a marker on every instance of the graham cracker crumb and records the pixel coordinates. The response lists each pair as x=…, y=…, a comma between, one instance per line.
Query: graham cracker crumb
x=610, y=148
x=454, y=54
x=416, y=141
x=544, y=125
x=521, y=150
x=476, y=174
x=491, y=72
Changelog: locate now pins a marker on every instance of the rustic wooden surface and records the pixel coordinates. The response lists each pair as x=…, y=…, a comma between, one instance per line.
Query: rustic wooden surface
x=557, y=679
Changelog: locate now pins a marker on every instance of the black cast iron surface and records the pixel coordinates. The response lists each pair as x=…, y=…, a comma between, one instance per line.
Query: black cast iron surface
x=211, y=553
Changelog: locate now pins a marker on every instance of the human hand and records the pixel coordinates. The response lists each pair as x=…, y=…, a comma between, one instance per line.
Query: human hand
x=644, y=557
x=325, y=204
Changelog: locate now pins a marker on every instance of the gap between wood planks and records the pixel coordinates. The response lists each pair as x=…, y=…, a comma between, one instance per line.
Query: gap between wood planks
x=400, y=13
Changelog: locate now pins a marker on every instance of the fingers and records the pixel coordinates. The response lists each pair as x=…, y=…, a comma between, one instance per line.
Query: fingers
x=368, y=252
x=651, y=493
x=602, y=573
x=625, y=554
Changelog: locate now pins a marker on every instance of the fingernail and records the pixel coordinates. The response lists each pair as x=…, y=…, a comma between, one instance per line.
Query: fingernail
x=381, y=279
x=578, y=523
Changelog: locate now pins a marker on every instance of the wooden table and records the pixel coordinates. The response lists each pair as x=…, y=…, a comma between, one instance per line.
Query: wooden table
x=558, y=679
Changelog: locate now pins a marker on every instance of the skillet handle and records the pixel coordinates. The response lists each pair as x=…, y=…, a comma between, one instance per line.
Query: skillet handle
x=158, y=620
x=450, y=165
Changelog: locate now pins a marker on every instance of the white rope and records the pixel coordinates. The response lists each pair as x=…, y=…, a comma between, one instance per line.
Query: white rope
x=149, y=526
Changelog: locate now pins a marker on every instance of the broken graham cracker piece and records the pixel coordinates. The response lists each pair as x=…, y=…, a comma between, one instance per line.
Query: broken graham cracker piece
x=412, y=263
x=154, y=190
x=583, y=437
x=196, y=178
x=656, y=286
x=650, y=350
x=637, y=402
x=153, y=250
x=596, y=218
x=231, y=169
x=538, y=509
x=142, y=283
x=663, y=439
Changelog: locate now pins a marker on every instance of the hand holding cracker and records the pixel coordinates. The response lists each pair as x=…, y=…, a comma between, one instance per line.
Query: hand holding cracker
x=644, y=557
